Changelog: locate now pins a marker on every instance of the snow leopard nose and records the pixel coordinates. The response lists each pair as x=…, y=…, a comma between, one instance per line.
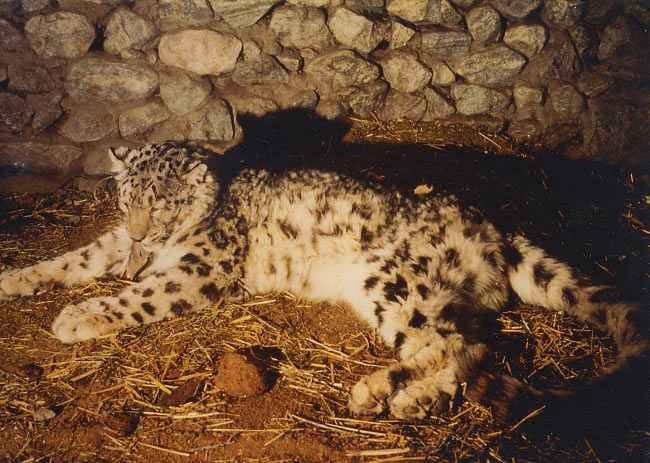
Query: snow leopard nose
x=139, y=223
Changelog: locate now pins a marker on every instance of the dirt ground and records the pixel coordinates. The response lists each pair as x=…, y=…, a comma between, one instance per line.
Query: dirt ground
x=150, y=395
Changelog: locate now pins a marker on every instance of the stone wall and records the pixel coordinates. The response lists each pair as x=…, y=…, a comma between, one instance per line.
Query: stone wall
x=77, y=76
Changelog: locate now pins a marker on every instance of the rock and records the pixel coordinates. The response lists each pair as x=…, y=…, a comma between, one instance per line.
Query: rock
x=250, y=50
x=212, y=121
x=600, y=12
x=183, y=92
x=525, y=129
x=441, y=74
x=14, y=113
x=316, y=3
x=108, y=80
x=29, y=78
x=96, y=164
x=369, y=98
x=255, y=105
x=151, y=57
x=366, y=6
x=639, y=12
x=265, y=39
x=424, y=11
x=582, y=39
x=401, y=105
x=437, y=106
x=308, y=54
x=497, y=64
x=186, y=12
x=96, y=161
x=136, y=121
x=11, y=39
x=331, y=109
x=95, y=11
x=623, y=39
x=484, y=23
x=527, y=39
x=336, y=69
x=43, y=414
x=300, y=27
x=516, y=8
x=61, y=34
x=592, y=83
x=174, y=128
x=285, y=96
x=476, y=99
x=290, y=58
x=566, y=101
x=87, y=123
x=617, y=130
x=262, y=70
x=129, y=54
x=446, y=44
x=563, y=13
x=7, y=7
x=400, y=35
x=44, y=158
x=4, y=74
x=46, y=109
x=436, y=65
x=356, y=31
x=403, y=71
x=527, y=95
x=241, y=13
x=467, y=4
x=558, y=60
x=126, y=29
x=239, y=375
x=202, y=51
x=306, y=99
x=30, y=6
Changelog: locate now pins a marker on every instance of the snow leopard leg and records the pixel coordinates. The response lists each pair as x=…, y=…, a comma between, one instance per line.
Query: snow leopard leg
x=107, y=255
x=407, y=390
x=167, y=294
x=423, y=384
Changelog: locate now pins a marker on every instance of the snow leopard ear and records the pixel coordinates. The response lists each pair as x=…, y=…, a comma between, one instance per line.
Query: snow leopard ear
x=117, y=157
x=196, y=174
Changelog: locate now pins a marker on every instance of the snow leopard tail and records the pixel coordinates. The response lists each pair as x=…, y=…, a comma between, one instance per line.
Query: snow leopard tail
x=541, y=280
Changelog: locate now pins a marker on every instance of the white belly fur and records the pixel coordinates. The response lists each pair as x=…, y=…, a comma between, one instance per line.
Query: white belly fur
x=327, y=268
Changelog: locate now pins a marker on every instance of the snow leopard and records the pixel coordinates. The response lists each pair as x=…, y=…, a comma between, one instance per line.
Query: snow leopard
x=424, y=271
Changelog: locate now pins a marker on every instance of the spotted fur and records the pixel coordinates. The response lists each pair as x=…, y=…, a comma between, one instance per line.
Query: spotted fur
x=427, y=274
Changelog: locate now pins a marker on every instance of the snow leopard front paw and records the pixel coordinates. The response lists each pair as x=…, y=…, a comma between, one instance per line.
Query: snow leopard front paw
x=5, y=295
x=13, y=284
x=81, y=322
x=371, y=394
x=408, y=396
x=415, y=403
x=364, y=401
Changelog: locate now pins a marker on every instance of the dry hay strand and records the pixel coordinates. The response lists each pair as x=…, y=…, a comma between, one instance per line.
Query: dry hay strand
x=37, y=226
x=148, y=394
x=437, y=134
